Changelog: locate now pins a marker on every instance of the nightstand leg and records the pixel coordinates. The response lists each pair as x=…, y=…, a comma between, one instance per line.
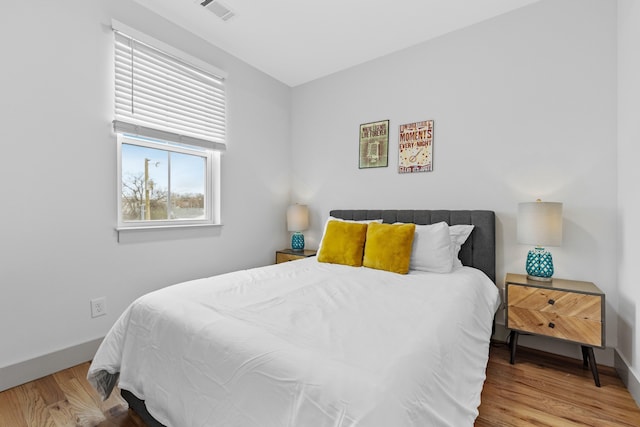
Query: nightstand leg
x=585, y=357
x=592, y=361
x=513, y=343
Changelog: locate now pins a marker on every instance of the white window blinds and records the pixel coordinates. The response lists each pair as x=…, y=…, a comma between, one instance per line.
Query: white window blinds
x=161, y=96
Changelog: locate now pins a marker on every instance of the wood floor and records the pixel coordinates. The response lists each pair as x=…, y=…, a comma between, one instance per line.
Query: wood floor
x=539, y=390
x=542, y=390
x=63, y=399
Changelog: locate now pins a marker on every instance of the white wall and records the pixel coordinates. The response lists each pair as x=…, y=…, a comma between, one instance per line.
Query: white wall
x=628, y=179
x=58, y=173
x=524, y=107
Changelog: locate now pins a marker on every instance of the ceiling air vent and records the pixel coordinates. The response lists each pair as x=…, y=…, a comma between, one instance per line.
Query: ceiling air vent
x=220, y=10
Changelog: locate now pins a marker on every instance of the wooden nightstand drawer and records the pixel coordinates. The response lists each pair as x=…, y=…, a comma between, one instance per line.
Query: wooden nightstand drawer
x=552, y=324
x=560, y=314
x=563, y=303
x=280, y=257
x=573, y=312
x=286, y=255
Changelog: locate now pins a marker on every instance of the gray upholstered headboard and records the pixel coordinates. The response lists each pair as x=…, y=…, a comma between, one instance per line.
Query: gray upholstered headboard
x=479, y=250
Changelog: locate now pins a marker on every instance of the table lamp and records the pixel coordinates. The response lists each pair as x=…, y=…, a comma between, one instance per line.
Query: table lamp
x=297, y=221
x=540, y=224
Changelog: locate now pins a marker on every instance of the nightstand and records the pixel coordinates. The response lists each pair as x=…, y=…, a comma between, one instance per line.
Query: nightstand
x=564, y=309
x=290, y=255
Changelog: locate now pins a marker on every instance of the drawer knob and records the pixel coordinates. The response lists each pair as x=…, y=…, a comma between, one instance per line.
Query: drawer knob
x=552, y=325
x=552, y=301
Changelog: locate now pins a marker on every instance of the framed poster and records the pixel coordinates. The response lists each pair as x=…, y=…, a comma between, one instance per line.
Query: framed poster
x=415, y=147
x=374, y=145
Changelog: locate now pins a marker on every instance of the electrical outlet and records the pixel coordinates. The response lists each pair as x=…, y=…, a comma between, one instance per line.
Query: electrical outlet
x=98, y=307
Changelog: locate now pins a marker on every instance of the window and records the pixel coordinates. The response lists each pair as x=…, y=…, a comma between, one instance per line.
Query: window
x=170, y=125
x=163, y=183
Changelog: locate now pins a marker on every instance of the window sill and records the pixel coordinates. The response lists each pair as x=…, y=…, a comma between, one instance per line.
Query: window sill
x=164, y=232
x=165, y=227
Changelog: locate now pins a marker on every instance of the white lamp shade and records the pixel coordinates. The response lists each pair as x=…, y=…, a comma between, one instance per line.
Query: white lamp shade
x=540, y=223
x=297, y=218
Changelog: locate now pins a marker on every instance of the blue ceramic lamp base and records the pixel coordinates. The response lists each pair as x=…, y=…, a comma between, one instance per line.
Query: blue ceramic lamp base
x=539, y=265
x=297, y=241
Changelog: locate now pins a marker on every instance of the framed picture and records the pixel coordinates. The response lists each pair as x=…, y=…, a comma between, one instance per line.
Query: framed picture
x=415, y=147
x=374, y=145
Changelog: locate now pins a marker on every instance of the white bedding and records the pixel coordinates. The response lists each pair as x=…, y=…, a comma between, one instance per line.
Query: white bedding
x=306, y=344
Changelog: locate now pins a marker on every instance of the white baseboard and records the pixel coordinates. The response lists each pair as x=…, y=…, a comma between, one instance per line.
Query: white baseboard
x=628, y=377
x=29, y=370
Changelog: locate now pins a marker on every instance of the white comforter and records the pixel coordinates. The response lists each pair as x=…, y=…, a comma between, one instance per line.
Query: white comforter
x=306, y=344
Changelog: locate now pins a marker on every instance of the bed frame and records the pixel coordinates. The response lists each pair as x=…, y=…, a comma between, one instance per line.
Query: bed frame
x=479, y=251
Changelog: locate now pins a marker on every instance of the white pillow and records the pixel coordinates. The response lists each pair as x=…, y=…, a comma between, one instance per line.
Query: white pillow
x=324, y=229
x=459, y=234
x=432, y=248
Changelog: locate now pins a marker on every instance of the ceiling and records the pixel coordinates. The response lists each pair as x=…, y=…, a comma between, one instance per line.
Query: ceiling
x=296, y=41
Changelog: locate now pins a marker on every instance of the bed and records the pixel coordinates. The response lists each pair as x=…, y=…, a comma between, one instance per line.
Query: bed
x=310, y=343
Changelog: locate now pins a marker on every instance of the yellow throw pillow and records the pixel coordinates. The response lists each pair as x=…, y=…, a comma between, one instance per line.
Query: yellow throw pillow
x=388, y=247
x=343, y=243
